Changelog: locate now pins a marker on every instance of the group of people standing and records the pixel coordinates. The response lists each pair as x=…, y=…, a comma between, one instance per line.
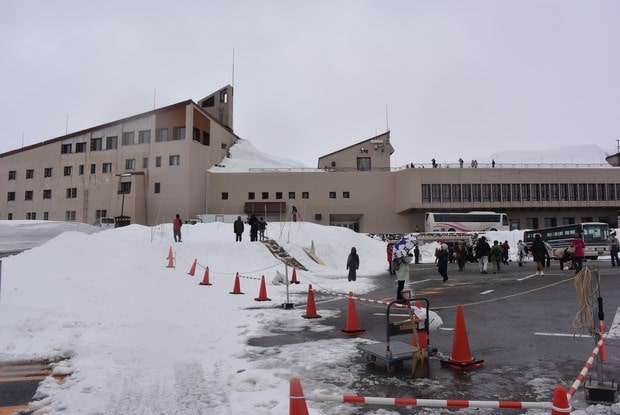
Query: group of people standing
x=257, y=228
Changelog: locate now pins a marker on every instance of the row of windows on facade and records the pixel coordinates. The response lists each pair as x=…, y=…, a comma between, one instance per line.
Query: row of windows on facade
x=130, y=164
x=520, y=192
x=129, y=138
x=71, y=192
x=70, y=215
x=291, y=195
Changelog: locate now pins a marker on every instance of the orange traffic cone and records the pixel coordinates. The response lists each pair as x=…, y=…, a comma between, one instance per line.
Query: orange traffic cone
x=353, y=326
x=170, y=259
x=237, y=286
x=560, y=404
x=422, y=335
x=170, y=255
x=294, y=277
x=262, y=293
x=310, y=306
x=205, y=278
x=461, y=358
x=192, y=270
x=297, y=402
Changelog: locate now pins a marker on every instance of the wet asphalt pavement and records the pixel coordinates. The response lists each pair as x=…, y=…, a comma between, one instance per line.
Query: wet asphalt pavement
x=520, y=324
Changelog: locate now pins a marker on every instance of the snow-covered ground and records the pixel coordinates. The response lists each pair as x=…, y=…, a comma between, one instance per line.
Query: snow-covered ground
x=141, y=338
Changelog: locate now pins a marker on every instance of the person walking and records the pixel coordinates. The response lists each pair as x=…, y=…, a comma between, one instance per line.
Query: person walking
x=262, y=225
x=505, y=251
x=389, y=250
x=614, y=245
x=521, y=252
x=416, y=253
x=461, y=255
x=443, y=256
x=539, y=252
x=482, y=253
x=253, y=221
x=238, y=229
x=495, y=256
x=401, y=265
x=353, y=264
x=176, y=228
x=578, y=246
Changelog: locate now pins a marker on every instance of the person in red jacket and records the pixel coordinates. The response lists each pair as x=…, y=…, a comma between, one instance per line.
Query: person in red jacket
x=390, y=248
x=176, y=228
x=576, y=257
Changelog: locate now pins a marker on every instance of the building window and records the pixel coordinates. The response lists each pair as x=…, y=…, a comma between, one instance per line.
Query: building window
x=196, y=134
x=29, y=173
x=592, y=196
x=426, y=193
x=278, y=195
x=145, y=162
x=346, y=195
x=305, y=195
x=65, y=149
x=47, y=194
x=583, y=192
x=363, y=163
x=291, y=195
x=70, y=215
x=531, y=223
x=101, y=213
x=516, y=192
x=31, y=215
x=93, y=168
x=223, y=146
x=573, y=192
x=586, y=219
x=174, y=160
x=10, y=196
x=12, y=174
x=332, y=195
x=496, y=193
x=81, y=169
x=206, y=138
x=265, y=195
x=161, y=134
x=476, y=193
x=224, y=195
x=466, y=189
x=554, y=189
x=564, y=192
x=47, y=172
x=436, y=193
x=550, y=222
x=535, y=189
x=80, y=147
x=28, y=195
x=178, y=133
x=506, y=193
x=446, y=192
x=158, y=161
x=251, y=195
x=130, y=164
x=106, y=168
x=95, y=144
x=525, y=194
x=128, y=138
x=124, y=188
x=71, y=192
x=157, y=187
x=111, y=143
x=68, y=170
x=46, y=215
x=545, y=195
x=144, y=136
x=486, y=192
x=611, y=191
x=456, y=192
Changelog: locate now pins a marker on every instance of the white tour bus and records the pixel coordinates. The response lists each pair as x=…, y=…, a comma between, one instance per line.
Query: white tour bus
x=466, y=222
x=594, y=234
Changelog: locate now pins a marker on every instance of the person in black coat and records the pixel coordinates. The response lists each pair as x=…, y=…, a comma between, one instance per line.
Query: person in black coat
x=442, y=261
x=539, y=252
x=353, y=263
x=253, y=228
x=238, y=229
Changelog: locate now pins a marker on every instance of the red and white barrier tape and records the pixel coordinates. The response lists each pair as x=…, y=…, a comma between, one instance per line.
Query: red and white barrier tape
x=366, y=300
x=587, y=366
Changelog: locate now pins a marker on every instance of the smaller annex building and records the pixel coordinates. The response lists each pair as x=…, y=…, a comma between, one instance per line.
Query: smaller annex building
x=151, y=166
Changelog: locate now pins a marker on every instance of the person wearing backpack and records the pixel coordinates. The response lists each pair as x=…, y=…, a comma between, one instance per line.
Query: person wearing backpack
x=495, y=256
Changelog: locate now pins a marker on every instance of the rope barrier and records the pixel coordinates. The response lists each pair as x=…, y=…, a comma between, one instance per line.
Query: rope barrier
x=433, y=403
x=587, y=366
x=365, y=300
x=584, y=320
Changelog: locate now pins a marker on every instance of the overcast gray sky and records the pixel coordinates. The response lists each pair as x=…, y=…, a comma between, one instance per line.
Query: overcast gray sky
x=450, y=78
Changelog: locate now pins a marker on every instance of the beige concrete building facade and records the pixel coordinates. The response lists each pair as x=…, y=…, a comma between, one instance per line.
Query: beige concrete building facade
x=159, y=163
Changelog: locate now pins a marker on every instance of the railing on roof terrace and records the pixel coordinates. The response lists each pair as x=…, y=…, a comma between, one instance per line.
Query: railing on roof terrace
x=503, y=166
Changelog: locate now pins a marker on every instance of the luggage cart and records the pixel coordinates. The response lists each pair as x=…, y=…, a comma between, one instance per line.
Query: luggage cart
x=395, y=351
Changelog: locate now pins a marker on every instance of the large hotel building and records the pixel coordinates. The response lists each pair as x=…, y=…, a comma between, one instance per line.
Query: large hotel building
x=151, y=166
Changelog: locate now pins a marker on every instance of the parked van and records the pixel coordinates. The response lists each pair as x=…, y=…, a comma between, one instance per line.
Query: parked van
x=106, y=223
